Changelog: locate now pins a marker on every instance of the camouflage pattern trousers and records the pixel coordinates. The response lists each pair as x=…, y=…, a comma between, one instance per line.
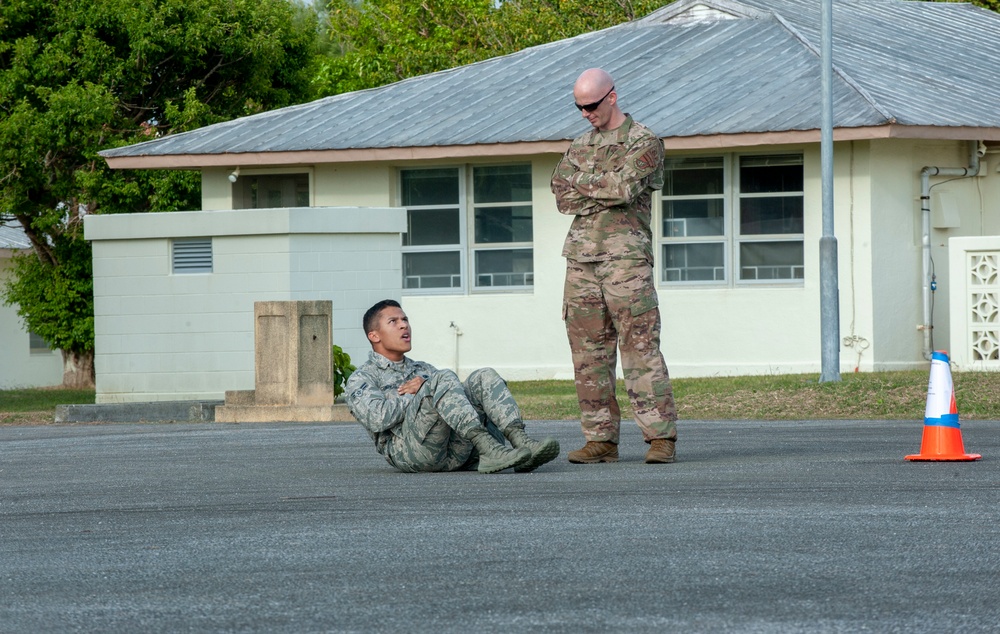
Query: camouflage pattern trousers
x=607, y=304
x=444, y=413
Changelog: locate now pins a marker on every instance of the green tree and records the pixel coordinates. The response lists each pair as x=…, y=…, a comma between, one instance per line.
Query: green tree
x=382, y=41
x=992, y=5
x=79, y=77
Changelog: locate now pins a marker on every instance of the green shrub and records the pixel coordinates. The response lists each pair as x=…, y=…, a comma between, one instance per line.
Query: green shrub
x=342, y=370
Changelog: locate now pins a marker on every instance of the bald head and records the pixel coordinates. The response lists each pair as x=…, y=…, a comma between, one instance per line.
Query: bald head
x=594, y=80
x=594, y=92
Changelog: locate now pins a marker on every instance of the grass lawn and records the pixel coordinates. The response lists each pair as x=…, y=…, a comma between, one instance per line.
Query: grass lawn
x=38, y=406
x=871, y=395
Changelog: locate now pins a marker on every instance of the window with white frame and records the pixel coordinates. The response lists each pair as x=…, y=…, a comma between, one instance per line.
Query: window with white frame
x=474, y=219
x=729, y=219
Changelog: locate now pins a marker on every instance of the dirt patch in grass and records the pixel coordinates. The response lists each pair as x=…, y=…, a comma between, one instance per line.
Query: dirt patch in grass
x=44, y=417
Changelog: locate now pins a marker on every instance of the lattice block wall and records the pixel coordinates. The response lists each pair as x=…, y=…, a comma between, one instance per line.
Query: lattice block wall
x=983, y=306
x=974, y=302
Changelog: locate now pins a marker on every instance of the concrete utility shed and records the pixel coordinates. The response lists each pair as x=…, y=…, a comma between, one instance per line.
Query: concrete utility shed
x=174, y=293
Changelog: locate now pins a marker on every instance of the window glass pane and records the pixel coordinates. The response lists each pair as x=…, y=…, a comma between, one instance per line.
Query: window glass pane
x=301, y=185
x=432, y=270
x=771, y=215
x=431, y=226
x=766, y=174
x=506, y=267
x=693, y=176
x=682, y=218
x=502, y=183
x=503, y=224
x=37, y=344
x=429, y=187
x=271, y=191
x=771, y=261
x=699, y=262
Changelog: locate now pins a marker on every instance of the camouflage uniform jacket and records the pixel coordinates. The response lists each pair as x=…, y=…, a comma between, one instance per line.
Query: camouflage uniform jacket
x=605, y=180
x=372, y=394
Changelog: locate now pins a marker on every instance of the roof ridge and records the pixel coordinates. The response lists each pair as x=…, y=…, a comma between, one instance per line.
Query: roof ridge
x=675, y=11
x=847, y=79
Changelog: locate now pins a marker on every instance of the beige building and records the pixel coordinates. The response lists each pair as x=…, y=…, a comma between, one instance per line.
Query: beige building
x=26, y=360
x=733, y=88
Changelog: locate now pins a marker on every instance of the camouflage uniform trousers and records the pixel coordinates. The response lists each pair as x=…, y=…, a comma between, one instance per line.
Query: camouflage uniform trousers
x=605, y=303
x=434, y=434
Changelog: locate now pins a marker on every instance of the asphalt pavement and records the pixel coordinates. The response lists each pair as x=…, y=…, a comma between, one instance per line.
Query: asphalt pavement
x=818, y=526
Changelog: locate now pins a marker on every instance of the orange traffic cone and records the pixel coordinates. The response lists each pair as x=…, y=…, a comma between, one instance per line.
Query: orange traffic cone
x=942, y=436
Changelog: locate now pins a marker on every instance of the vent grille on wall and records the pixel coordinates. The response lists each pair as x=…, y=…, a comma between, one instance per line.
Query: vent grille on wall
x=192, y=255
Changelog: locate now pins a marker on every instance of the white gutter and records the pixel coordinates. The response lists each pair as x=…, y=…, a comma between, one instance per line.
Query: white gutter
x=930, y=283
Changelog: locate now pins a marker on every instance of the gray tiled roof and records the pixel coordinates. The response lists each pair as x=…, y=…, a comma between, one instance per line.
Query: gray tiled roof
x=897, y=62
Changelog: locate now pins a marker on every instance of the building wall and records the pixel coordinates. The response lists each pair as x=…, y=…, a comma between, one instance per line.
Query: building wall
x=521, y=334
x=896, y=276
x=166, y=336
x=706, y=331
x=853, y=228
x=720, y=331
x=971, y=204
x=761, y=329
x=19, y=365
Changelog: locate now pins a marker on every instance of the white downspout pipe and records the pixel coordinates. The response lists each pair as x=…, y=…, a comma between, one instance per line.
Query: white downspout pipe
x=929, y=283
x=458, y=333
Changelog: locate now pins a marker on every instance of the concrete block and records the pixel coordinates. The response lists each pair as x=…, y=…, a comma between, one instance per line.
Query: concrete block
x=282, y=414
x=240, y=398
x=181, y=411
x=293, y=378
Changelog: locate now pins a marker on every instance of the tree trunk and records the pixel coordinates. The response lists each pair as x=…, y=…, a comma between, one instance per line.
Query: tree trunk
x=78, y=370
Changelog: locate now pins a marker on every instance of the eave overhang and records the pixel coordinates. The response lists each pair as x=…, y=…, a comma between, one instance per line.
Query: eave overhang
x=499, y=150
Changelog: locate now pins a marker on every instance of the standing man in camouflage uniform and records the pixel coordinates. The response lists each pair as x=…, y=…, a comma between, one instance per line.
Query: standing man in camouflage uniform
x=423, y=419
x=605, y=181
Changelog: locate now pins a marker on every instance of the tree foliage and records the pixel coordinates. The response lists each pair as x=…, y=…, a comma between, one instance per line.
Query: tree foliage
x=383, y=41
x=79, y=77
x=992, y=5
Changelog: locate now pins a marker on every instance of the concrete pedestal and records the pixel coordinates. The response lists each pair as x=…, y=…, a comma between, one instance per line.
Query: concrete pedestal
x=292, y=367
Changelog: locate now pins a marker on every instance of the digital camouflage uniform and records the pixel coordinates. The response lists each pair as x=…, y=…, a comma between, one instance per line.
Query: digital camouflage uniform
x=427, y=431
x=605, y=181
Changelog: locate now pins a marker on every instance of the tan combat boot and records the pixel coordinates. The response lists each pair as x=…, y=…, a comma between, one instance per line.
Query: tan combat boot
x=661, y=451
x=595, y=451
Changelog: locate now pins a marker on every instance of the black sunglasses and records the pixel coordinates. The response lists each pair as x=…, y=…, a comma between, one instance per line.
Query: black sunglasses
x=590, y=107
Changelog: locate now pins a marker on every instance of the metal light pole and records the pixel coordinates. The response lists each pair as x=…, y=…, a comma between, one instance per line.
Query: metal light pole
x=829, y=299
